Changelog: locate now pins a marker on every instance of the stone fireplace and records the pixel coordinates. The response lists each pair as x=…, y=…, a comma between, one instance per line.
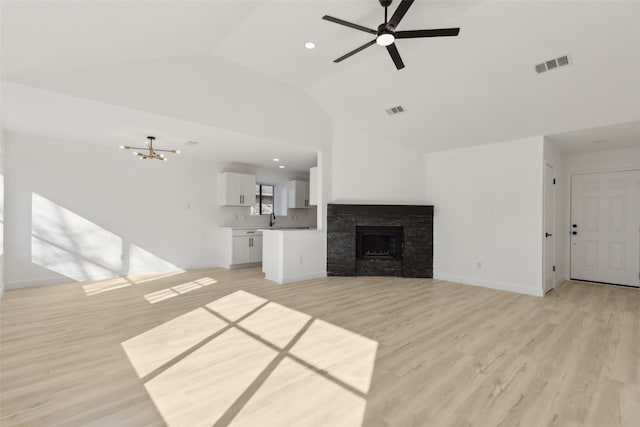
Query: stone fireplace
x=380, y=240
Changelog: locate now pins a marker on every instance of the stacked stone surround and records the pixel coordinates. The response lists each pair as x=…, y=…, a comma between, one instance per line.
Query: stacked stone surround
x=417, y=223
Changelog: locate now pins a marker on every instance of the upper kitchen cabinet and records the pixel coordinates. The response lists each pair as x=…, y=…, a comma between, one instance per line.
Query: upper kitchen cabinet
x=297, y=194
x=237, y=189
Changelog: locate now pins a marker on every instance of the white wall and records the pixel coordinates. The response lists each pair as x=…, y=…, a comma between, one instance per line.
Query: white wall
x=1, y=211
x=488, y=209
x=554, y=157
x=368, y=170
x=80, y=211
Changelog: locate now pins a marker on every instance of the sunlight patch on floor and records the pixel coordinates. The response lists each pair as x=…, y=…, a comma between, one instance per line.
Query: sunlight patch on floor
x=98, y=287
x=271, y=366
x=155, y=347
x=275, y=323
x=236, y=305
x=296, y=396
x=150, y=277
x=343, y=354
x=198, y=390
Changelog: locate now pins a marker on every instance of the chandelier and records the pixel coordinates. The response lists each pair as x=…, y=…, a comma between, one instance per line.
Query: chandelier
x=149, y=152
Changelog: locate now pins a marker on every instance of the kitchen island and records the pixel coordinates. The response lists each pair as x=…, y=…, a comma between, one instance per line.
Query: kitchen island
x=293, y=254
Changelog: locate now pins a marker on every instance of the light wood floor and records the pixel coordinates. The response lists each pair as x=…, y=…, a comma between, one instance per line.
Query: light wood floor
x=190, y=349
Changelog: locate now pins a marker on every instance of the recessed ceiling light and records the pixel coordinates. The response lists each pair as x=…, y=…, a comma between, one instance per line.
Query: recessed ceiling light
x=281, y=166
x=276, y=159
x=310, y=45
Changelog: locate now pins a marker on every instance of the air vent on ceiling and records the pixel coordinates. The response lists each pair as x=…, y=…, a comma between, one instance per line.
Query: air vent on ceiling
x=395, y=110
x=191, y=143
x=552, y=64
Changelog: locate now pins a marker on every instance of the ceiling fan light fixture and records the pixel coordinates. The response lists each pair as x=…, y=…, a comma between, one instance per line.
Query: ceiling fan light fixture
x=385, y=39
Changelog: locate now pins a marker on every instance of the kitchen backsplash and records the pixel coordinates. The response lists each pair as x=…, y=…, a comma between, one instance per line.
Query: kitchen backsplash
x=241, y=217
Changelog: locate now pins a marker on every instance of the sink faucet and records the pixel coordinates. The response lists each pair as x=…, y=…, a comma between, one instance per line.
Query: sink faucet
x=272, y=219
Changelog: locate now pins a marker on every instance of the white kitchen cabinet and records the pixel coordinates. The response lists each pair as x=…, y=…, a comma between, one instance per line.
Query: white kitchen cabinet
x=297, y=194
x=242, y=247
x=237, y=189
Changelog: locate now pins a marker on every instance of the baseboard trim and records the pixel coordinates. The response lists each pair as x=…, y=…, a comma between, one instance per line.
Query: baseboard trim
x=40, y=282
x=488, y=284
x=303, y=277
x=62, y=280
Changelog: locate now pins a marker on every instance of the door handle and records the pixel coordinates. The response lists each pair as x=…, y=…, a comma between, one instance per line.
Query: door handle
x=548, y=234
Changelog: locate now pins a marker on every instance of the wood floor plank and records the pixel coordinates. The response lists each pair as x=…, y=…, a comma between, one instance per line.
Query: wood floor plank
x=444, y=354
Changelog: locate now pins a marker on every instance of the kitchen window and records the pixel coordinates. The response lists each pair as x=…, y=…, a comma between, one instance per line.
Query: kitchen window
x=264, y=200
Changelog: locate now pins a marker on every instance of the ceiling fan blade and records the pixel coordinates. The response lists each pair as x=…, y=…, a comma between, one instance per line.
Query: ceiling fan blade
x=442, y=32
x=349, y=24
x=399, y=13
x=353, y=52
x=395, y=55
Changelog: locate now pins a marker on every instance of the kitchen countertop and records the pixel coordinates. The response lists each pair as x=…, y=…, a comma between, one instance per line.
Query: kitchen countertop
x=263, y=228
x=288, y=229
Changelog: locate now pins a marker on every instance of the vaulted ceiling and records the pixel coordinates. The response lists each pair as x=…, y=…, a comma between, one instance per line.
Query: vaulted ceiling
x=476, y=88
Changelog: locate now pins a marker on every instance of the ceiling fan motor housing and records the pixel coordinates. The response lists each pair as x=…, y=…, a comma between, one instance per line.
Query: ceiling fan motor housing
x=385, y=3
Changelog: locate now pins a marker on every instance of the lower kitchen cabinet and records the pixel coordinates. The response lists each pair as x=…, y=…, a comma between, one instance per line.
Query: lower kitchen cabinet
x=242, y=247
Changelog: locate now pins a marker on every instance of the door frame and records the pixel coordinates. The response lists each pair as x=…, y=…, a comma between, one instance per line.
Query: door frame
x=545, y=228
x=568, y=204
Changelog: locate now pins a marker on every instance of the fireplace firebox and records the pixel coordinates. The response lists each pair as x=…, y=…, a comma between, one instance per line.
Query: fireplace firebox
x=378, y=242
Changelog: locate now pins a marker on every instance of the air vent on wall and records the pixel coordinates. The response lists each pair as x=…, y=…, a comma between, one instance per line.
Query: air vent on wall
x=552, y=64
x=395, y=110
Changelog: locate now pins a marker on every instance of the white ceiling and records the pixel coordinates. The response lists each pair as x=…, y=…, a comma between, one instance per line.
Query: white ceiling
x=477, y=88
x=69, y=119
x=619, y=136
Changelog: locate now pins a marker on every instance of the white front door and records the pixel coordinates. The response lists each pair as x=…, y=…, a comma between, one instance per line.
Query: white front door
x=549, y=212
x=605, y=227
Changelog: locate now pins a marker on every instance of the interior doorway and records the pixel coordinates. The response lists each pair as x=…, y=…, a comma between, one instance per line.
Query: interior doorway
x=549, y=228
x=605, y=227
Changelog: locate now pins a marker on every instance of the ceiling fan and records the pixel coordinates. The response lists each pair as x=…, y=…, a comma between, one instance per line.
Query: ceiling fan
x=386, y=33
